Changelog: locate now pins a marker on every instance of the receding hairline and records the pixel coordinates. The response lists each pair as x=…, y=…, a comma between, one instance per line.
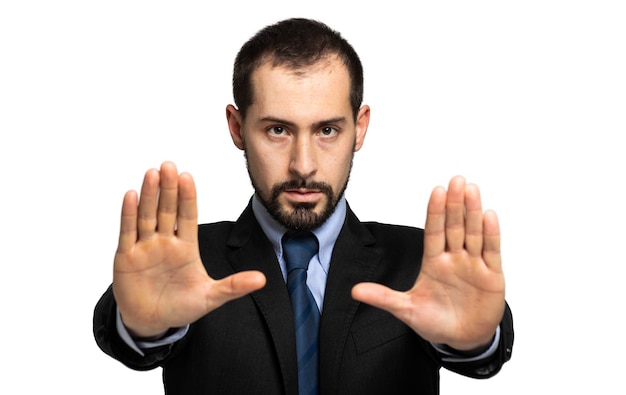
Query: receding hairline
x=324, y=62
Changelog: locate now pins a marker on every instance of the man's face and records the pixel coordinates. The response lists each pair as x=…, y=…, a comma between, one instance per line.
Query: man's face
x=299, y=137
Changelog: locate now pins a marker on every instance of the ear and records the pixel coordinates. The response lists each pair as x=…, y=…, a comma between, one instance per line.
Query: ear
x=362, y=122
x=233, y=117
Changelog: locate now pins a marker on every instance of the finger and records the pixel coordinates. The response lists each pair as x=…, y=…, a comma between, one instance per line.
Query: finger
x=491, y=243
x=455, y=214
x=380, y=296
x=473, y=221
x=434, y=230
x=128, y=223
x=187, y=221
x=147, y=220
x=168, y=199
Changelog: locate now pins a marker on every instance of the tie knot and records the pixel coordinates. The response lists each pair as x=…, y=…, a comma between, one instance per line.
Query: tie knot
x=298, y=249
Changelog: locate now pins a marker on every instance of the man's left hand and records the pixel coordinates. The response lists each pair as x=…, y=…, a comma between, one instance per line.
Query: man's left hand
x=458, y=297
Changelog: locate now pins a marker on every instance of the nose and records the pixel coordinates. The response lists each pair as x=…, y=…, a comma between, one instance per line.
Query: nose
x=303, y=157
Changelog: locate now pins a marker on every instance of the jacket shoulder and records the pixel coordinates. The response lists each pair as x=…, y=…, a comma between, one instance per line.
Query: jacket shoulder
x=395, y=235
x=216, y=229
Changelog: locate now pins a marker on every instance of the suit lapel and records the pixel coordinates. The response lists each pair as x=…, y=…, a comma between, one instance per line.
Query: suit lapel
x=251, y=250
x=353, y=261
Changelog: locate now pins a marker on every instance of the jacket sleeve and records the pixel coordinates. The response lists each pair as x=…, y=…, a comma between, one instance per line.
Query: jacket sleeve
x=109, y=341
x=491, y=365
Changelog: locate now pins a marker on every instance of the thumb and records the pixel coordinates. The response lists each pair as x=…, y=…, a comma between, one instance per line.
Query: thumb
x=234, y=286
x=380, y=296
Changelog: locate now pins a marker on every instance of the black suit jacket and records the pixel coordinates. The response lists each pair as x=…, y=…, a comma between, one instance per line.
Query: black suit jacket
x=247, y=346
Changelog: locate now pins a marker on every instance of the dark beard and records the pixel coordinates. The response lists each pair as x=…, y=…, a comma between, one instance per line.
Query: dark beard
x=302, y=215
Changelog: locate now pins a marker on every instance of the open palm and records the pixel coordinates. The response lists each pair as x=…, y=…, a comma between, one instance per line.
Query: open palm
x=159, y=279
x=458, y=297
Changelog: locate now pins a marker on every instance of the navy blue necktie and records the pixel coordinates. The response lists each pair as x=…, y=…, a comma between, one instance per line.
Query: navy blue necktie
x=298, y=249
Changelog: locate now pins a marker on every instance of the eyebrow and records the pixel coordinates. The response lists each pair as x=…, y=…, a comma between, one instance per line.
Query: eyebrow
x=337, y=120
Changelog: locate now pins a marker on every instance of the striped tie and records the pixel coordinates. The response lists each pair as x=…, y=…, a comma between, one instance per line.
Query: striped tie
x=298, y=249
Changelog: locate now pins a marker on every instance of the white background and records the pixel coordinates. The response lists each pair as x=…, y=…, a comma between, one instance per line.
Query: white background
x=526, y=99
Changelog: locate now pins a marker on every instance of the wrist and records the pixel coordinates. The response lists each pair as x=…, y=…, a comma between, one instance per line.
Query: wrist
x=143, y=333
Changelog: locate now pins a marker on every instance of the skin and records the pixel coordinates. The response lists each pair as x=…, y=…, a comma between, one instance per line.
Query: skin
x=301, y=127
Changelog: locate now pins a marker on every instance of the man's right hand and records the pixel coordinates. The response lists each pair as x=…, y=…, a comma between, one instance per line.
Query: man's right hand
x=159, y=281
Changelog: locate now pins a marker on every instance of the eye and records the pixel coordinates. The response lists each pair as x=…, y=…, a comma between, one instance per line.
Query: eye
x=277, y=130
x=328, y=131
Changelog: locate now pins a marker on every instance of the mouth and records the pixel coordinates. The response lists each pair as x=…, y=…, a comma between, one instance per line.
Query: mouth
x=303, y=195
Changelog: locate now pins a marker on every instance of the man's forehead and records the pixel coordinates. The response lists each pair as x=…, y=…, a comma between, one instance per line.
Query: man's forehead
x=309, y=94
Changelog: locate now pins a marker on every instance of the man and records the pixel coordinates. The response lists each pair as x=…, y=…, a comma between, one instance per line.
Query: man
x=210, y=304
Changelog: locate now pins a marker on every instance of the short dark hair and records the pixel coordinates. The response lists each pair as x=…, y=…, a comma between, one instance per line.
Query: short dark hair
x=295, y=43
